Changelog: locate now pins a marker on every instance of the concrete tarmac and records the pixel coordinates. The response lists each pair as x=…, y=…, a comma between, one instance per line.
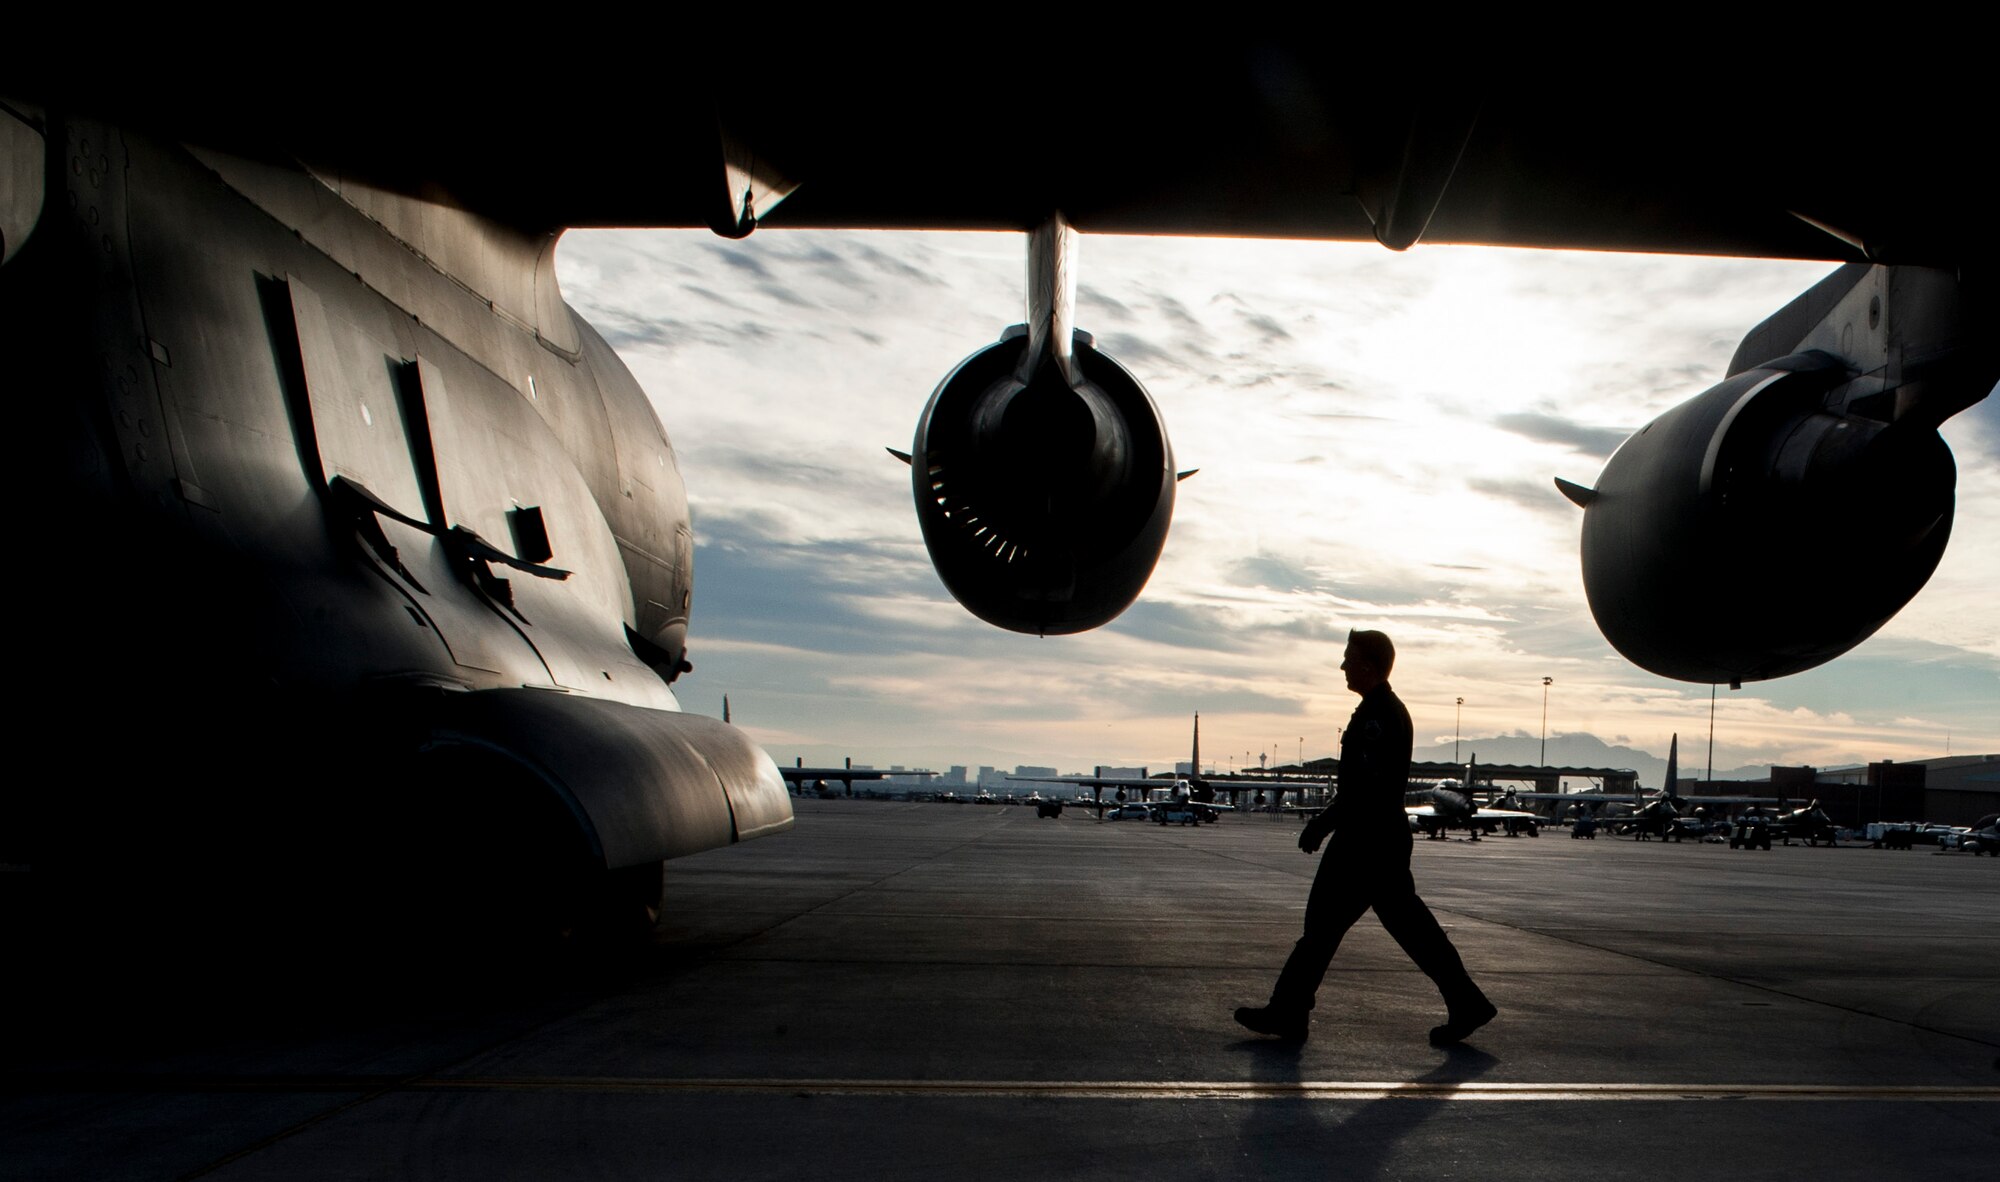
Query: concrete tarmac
x=917, y=990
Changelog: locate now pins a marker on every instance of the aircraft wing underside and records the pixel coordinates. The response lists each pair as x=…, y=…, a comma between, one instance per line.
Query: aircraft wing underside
x=1211, y=138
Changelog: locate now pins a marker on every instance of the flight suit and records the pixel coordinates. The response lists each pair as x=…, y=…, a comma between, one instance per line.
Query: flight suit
x=1368, y=864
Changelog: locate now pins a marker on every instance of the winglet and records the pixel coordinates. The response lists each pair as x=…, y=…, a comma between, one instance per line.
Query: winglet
x=901, y=455
x=1578, y=495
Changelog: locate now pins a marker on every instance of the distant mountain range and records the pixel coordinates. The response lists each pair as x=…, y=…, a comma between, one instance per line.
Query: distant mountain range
x=1587, y=750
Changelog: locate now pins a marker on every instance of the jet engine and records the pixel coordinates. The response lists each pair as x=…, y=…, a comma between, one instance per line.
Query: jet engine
x=1778, y=520
x=1042, y=474
x=1044, y=503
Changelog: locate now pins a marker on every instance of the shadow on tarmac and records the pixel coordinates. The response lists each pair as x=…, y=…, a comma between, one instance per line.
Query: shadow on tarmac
x=190, y=980
x=1351, y=1142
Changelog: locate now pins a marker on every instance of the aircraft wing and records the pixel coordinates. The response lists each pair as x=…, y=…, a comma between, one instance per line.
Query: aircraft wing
x=1483, y=813
x=798, y=775
x=1479, y=814
x=1154, y=784
x=1265, y=139
x=1271, y=785
x=1096, y=781
x=1595, y=800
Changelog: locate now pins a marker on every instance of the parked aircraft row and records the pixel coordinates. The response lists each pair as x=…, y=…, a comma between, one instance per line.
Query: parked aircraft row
x=1194, y=787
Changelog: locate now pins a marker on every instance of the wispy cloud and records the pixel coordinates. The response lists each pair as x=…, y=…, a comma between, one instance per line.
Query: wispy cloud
x=1375, y=434
x=1550, y=428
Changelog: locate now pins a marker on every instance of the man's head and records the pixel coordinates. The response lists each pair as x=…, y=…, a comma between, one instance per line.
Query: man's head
x=1368, y=660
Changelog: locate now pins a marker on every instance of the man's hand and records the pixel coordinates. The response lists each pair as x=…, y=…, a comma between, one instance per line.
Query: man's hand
x=1310, y=838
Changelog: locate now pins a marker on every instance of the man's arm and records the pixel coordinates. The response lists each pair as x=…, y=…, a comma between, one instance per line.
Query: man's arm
x=1316, y=830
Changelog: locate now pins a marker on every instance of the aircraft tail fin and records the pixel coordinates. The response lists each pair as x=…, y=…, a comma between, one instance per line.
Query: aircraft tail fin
x=1674, y=766
x=1195, y=755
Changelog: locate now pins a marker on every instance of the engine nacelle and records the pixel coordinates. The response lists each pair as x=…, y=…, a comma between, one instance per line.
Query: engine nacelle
x=1763, y=528
x=1044, y=504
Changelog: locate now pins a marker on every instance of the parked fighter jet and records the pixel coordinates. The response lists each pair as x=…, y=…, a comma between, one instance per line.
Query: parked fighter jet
x=1809, y=824
x=1448, y=806
x=1984, y=836
x=1758, y=827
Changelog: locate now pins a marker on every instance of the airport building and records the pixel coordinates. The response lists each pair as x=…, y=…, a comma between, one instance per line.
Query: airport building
x=1953, y=790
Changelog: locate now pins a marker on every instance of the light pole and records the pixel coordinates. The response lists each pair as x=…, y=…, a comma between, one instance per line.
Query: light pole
x=1546, y=683
x=1455, y=715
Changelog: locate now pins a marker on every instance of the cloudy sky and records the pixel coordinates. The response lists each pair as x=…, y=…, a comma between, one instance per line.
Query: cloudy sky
x=1376, y=435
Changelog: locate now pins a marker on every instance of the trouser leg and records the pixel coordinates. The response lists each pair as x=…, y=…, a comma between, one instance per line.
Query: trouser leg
x=1405, y=917
x=1338, y=898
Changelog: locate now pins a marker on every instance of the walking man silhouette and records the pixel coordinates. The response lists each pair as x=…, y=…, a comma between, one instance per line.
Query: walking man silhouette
x=1368, y=864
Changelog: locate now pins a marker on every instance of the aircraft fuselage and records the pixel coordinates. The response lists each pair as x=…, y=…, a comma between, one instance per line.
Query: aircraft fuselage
x=336, y=497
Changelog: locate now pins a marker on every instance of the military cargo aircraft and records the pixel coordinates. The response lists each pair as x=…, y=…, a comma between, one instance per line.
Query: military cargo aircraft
x=343, y=533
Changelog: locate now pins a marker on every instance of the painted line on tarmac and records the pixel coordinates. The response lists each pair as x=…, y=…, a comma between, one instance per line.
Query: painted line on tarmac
x=375, y=1086
x=1226, y=1090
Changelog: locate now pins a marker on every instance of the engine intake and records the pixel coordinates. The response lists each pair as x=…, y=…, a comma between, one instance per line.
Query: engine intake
x=1044, y=504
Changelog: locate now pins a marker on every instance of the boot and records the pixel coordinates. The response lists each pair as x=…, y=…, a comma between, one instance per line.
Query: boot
x=1289, y=1025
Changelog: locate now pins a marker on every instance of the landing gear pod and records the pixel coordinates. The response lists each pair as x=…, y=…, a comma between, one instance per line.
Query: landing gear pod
x=1044, y=504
